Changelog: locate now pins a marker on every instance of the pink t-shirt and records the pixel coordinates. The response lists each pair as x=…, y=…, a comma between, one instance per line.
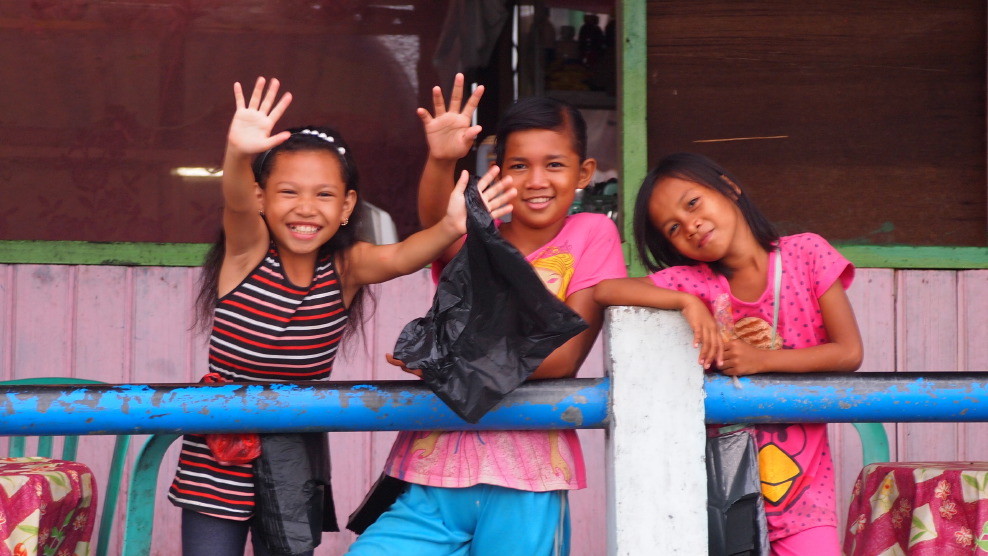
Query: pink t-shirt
x=794, y=459
x=586, y=251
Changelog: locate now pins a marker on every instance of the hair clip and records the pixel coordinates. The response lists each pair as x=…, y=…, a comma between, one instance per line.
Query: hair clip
x=319, y=134
x=341, y=150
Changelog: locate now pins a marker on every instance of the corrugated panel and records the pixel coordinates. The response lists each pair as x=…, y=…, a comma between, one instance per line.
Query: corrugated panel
x=872, y=296
x=125, y=324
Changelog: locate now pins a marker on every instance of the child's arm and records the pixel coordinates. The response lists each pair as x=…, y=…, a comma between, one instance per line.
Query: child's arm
x=450, y=136
x=842, y=353
x=643, y=293
x=373, y=264
x=567, y=358
x=249, y=134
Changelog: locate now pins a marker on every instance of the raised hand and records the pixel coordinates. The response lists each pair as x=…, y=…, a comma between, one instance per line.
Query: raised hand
x=450, y=133
x=497, y=196
x=250, y=130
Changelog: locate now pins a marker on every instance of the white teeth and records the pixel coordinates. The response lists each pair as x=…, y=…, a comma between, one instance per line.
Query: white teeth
x=303, y=229
x=539, y=200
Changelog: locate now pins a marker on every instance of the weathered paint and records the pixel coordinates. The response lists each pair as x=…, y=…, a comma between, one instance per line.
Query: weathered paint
x=307, y=406
x=656, y=482
x=408, y=405
x=848, y=397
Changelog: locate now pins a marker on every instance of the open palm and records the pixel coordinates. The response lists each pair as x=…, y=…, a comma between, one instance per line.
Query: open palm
x=250, y=130
x=449, y=132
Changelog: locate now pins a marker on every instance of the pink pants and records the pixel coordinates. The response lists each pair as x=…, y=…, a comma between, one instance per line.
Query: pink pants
x=818, y=541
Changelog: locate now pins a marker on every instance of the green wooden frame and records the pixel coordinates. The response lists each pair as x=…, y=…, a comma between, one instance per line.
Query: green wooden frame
x=191, y=254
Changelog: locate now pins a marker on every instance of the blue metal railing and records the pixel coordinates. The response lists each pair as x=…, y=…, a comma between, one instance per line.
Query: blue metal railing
x=169, y=409
x=848, y=398
x=307, y=406
x=409, y=405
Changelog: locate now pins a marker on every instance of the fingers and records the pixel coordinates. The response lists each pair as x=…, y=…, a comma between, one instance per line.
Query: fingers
x=276, y=140
x=473, y=101
x=438, y=104
x=456, y=96
x=500, y=203
x=471, y=133
x=391, y=359
x=263, y=99
x=424, y=115
x=400, y=363
x=488, y=178
x=497, y=195
x=706, y=338
x=282, y=105
x=255, y=96
x=456, y=105
x=268, y=99
x=461, y=184
x=238, y=95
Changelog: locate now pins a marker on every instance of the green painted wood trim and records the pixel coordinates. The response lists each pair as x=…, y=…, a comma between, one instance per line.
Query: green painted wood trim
x=915, y=257
x=102, y=253
x=191, y=254
x=632, y=105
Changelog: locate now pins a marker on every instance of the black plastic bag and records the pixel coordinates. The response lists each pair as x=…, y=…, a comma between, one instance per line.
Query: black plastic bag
x=294, y=495
x=382, y=494
x=491, y=324
x=735, y=508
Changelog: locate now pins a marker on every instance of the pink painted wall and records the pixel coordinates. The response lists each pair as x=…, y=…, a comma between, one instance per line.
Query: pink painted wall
x=132, y=325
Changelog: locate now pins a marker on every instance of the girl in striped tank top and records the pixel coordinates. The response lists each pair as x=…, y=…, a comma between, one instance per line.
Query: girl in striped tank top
x=283, y=287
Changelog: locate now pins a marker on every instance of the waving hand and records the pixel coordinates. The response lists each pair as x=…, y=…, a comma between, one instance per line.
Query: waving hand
x=450, y=132
x=250, y=130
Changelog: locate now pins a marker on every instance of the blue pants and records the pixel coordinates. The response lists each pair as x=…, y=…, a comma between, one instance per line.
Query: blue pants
x=204, y=535
x=475, y=521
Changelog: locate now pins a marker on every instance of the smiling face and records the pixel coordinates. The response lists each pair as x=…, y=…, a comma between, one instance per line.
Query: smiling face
x=304, y=201
x=701, y=223
x=546, y=170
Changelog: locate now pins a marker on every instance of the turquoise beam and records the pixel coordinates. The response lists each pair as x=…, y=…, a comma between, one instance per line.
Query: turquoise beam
x=848, y=398
x=306, y=406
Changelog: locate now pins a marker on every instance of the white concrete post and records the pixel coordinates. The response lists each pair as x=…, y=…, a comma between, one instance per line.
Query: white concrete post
x=656, y=479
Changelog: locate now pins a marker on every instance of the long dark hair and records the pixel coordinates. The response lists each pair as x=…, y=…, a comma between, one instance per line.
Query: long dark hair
x=654, y=248
x=307, y=138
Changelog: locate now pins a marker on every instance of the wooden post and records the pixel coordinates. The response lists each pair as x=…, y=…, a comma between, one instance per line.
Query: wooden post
x=656, y=479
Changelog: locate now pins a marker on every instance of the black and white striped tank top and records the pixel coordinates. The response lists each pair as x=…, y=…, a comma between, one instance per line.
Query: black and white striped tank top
x=266, y=330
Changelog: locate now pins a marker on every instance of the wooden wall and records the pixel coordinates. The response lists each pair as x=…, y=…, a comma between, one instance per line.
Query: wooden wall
x=131, y=325
x=861, y=121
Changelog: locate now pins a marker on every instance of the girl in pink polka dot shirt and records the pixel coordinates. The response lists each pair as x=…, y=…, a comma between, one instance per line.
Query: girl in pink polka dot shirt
x=706, y=243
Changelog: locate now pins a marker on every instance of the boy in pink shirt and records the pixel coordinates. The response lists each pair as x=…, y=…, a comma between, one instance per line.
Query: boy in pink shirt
x=504, y=492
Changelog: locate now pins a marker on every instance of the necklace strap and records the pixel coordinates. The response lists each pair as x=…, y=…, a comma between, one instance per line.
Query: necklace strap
x=778, y=292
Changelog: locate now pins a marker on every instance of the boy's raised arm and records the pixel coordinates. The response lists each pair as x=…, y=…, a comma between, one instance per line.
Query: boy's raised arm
x=450, y=135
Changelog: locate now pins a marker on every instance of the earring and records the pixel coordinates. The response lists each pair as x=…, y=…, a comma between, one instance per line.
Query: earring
x=261, y=212
x=346, y=221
